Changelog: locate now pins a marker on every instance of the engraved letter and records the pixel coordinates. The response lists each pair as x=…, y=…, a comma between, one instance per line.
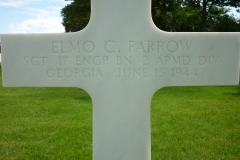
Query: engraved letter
x=86, y=59
x=140, y=47
x=150, y=45
x=172, y=46
x=186, y=44
x=107, y=48
x=128, y=60
x=54, y=47
x=43, y=60
x=176, y=61
x=88, y=46
x=119, y=72
x=125, y=72
x=85, y=72
x=137, y=72
x=145, y=72
x=202, y=60
x=160, y=44
x=62, y=48
x=99, y=73
x=130, y=45
x=119, y=60
x=186, y=60
x=26, y=60
x=50, y=75
x=59, y=73
x=74, y=49
x=105, y=59
x=95, y=61
x=215, y=59
x=34, y=63
x=77, y=71
x=167, y=59
x=78, y=60
x=67, y=73
x=159, y=61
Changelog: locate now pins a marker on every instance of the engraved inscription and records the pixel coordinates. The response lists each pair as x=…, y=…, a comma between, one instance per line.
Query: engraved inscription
x=208, y=60
x=173, y=60
x=34, y=61
x=145, y=60
x=62, y=60
x=88, y=64
x=76, y=73
x=132, y=72
x=158, y=46
x=109, y=46
x=124, y=60
x=176, y=72
x=72, y=47
x=159, y=72
x=89, y=60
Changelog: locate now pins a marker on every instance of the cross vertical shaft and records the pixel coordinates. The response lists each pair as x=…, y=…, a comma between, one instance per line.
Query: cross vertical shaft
x=121, y=124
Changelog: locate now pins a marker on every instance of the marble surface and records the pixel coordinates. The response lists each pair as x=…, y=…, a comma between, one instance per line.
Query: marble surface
x=121, y=59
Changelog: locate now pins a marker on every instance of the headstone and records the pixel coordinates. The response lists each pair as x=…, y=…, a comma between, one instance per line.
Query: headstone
x=121, y=59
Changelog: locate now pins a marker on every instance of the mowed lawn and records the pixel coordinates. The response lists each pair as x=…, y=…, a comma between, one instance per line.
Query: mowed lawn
x=191, y=123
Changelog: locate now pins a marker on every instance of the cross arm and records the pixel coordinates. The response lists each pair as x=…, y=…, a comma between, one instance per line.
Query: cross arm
x=43, y=60
x=196, y=59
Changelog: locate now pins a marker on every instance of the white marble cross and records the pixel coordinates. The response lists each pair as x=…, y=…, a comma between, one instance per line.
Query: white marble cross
x=121, y=59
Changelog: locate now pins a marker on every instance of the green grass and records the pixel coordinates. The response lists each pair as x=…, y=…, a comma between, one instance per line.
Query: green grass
x=196, y=123
x=56, y=123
